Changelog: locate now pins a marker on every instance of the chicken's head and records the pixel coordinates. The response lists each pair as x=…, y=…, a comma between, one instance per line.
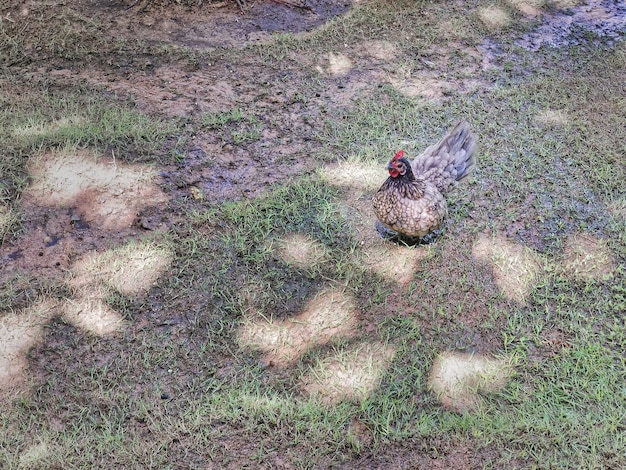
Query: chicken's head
x=398, y=166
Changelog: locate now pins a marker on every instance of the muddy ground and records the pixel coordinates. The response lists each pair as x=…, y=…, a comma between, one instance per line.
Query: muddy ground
x=74, y=212
x=93, y=212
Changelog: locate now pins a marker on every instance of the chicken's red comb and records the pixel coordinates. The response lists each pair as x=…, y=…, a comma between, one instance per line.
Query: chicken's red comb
x=399, y=155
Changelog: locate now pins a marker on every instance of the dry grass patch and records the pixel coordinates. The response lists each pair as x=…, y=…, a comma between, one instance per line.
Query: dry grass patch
x=458, y=379
x=104, y=192
x=350, y=374
x=331, y=314
x=301, y=251
x=587, y=257
x=20, y=331
x=515, y=267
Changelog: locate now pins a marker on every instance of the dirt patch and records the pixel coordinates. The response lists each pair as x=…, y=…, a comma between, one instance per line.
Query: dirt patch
x=330, y=315
x=515, y=267
x=350, y=374
x=458, y=379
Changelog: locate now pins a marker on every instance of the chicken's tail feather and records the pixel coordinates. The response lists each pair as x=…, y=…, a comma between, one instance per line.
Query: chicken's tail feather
x=450, y=160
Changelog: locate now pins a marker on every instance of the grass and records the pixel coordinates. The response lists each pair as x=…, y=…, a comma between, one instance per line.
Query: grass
x=177, y=387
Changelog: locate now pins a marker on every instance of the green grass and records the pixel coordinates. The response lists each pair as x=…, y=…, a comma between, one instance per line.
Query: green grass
x=176, y=389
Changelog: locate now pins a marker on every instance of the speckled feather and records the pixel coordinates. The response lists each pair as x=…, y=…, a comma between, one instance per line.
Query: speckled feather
x=413, y=203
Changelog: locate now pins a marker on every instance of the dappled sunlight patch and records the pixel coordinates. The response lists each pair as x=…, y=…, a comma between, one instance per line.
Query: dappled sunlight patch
x=617, y=209
x=366, y=176
x=457, y=379
x=302, y=251
x=515, y=266
x=130, y=269
x=8, y=219
x=552, y=118
x=37, y=128
x=103, y=191
x=427, y=88
x=393, y=261
x=564, y=4
x=587, y=257
x=338, y=64
x=330, y=315
x=89, y=311
x=350, y=374
x=494, y=18
x=20, y=331
x=530, y=8
x=35, y=455
x=381, y=50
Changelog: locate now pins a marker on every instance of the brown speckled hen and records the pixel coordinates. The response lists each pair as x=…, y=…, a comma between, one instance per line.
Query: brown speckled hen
x=411, y=202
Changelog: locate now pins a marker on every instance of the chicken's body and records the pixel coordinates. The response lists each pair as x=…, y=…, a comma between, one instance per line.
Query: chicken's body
x=412, y=201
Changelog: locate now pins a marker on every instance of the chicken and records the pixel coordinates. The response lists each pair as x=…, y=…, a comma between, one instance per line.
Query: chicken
x=411, y=202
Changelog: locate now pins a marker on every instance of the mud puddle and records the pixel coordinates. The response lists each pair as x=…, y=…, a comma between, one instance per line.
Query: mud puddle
x=590, y=21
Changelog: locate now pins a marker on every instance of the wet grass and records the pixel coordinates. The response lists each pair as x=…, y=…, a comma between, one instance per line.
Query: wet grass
x=176, y=388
